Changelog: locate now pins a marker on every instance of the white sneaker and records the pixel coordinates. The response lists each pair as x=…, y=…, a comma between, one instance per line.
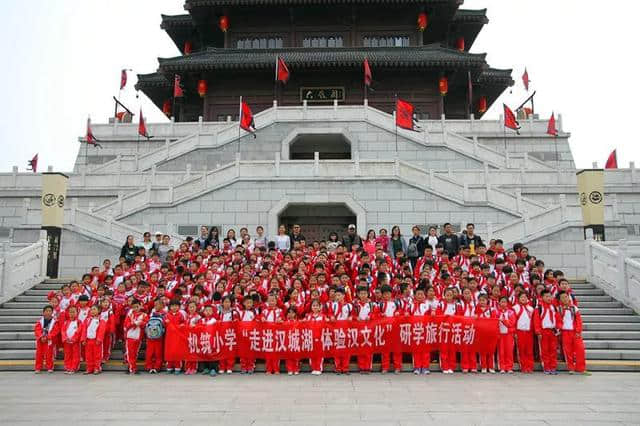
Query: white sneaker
x=229, y=371
x=484, y=371
x=492, y=371
x=296, y=373
x=290, y=373
x=316, y=373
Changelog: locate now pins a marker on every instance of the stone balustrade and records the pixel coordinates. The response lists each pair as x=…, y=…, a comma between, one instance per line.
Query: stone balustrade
x=22, y=269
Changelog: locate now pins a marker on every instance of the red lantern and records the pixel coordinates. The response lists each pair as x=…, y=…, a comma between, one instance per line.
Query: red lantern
x=223, y=23
x=188, y=47
x=443, y=85
x=460, y=44
x=422, y=21
x=166, y=108
x=202, y=88
x=482, y=105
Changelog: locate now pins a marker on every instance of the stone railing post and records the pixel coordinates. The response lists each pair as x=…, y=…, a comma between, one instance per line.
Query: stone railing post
x=614, y=206
x=475, y=145
x=237, y=165
x=74, y=209
x=485, y=167
x=92, y=206
x=188, y=172
x=167, y=142
x=622, y=277
x=277, y=163
x=432, y=174
x=396, y=166
x=171, y=194
x=172, y=126
x=200, y=121
x=472, y=122
x=148, y=193
x=444, y=128
x=119, y=204
x=316, y=163
x=632, y=167
x=525, y=216
x=356, y=163
x=153, y=174
x=488, y=191
x=588, y=259
x=26, y=205
x=563, y=207
x=14, y=172
x=518, y=200
x=525, y=160
x=465, y=193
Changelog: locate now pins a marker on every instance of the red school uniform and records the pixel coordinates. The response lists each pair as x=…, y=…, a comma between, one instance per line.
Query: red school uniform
x=487, y=360
x=422, y=360
x=448, y=351
x=71, y=333
x=391, y=309
x=134, y=332
x=227, y=316
x=272, y=315
x=524, y=336
x=545, y=325
x=93, y=332
x=507, y=327
x=316, y=363
x=247, y=364
x=569, y=321
x=46, y=333
x=365, y=311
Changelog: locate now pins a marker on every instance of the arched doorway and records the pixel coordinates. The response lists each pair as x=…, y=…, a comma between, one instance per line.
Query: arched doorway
x=318, y=220
x=333, y=146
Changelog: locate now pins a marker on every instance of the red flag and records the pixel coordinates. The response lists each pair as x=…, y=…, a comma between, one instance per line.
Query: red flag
x=551, y=128
x=142, y=127
x=91, y=140
x=367, y=73
x=282, y=72
x=510, y=121
x=612, y=161
x=177, y=89
x=33, y=163
x=525, y=79
x=246, y=118
x=404, y=114
x=123, y=79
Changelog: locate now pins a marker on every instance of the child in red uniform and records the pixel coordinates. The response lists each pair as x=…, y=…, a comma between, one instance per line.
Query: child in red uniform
x=45, y=330
x=447, y=351
x=93, y=331
x=106, y=314
x=483, y=310
x=390, y=308
x=209, y=367
x=544, y=322
x=154, y=353
x=177, y=317
x=524, y=326
x=227, y=314
x=71, y=331
x=193, y=318
x=421, y=308
x=272, y=314
x=133, y=328
x=248, y=314
x=293, y=364
x=364, y=310
x=570, y=322
x=316, y=314
x=341, y=311
x=468, y=357
x=507, y=328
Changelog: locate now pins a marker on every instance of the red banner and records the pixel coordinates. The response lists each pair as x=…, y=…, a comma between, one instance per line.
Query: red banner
x=329, y=339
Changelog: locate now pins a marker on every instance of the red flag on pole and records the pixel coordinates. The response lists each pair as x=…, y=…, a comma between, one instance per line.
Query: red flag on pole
x=142, y=127
x=123, y=79
x=525, y=79
x=91, y=140
x=282, y=71
x=612, y=161
x=246, y=118
x=404, y=114
x=367, y=73
x=177, y=88
x=510, y=121
x=33, y=164
x=551, y=128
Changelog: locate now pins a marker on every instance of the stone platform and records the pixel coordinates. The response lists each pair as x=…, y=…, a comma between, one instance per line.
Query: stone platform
x=603, y=398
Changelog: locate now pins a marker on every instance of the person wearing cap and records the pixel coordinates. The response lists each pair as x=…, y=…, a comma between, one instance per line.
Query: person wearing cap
x=158, y=240
x=351, y=238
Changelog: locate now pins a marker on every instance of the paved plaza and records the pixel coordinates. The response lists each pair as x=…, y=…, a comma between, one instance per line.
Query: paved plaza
x=603, y=398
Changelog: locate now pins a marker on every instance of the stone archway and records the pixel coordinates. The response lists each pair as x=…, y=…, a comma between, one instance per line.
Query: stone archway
x=307, y=206
x=331, y=143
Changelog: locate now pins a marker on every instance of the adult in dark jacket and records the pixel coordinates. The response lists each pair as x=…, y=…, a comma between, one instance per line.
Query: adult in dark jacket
x=296, y=236
x=351, y=238
x=213, y=239
x=129, y=249
x=415, y=246
x=470, y=239
x=449, y=240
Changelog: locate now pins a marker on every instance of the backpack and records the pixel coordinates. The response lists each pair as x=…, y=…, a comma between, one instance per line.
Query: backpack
x=154, y=329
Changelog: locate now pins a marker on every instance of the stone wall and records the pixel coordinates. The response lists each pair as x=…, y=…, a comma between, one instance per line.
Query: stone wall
x=79, y=253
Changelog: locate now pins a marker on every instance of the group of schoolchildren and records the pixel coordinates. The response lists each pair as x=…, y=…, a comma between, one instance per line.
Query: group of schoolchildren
x=136, y=299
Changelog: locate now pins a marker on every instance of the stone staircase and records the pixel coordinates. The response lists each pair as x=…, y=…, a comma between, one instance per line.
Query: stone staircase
x=611, y=330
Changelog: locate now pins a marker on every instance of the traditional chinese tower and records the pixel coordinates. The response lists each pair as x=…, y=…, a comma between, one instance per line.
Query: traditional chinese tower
x=418, y=50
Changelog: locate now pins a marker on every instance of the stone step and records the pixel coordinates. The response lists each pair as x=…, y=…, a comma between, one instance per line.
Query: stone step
x=19, y=311
x=33, y=292
x=581, y=299
x=607, y=344
x=41, y=298
x=24, y=305
x=48, y=286
x=604, y=318
x=607, y=311
x=610, y=326
x=588, y=304
x=590, y=292
x=611, y=335
x=16, y=327
x=21, y=319
x=16, y=335
x=621, y=354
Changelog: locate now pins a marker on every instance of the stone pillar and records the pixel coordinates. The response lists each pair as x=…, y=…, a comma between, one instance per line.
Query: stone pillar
x=588, y=259
x=632, y=167
x=475, y=145
x=277, y=163
x=622, y=276
x=188, y=172
x=14, y=171
x=356, y=164
x=563, y=207
x=465, y=193
x=444, y=128
x=316, y=163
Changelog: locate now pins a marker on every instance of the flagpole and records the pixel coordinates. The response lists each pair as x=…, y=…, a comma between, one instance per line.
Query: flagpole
x=239, y=123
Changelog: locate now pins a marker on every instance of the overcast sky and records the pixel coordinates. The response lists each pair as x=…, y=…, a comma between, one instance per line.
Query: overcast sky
x=62, y=60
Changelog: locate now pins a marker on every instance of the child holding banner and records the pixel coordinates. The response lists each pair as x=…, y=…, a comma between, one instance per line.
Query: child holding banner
x=448, y=351
x=316, y=315
x=271, y=313
x=505, y=342
x=292, y=364
x=364, y=310
x=421, y=308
